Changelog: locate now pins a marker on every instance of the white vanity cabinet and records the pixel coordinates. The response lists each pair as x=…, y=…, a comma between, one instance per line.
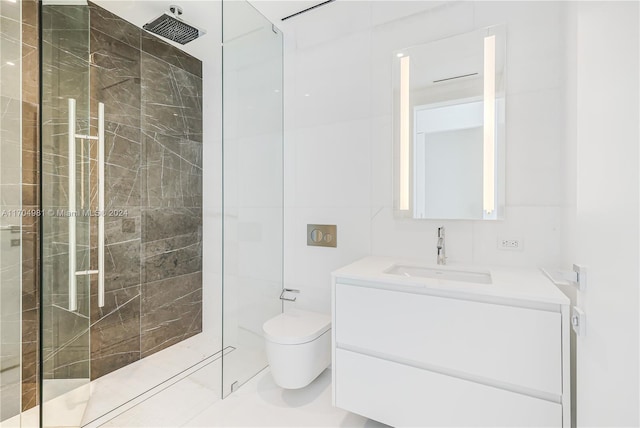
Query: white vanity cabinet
x=415, y=352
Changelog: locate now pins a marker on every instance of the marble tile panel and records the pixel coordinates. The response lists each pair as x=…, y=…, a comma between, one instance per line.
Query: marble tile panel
x=65, y=46
x=115, y=78
x=163, y=223
x=106, y=22
x=30, y=17
x=122, y=166
x=56, y=277
x=172, y=172
x=123, y=229
x=30, y=343
x=30, y=53
x=10, y=47
x=189, y=89
x=161, y=171
x=192, y=188
x=30, y=258
x=171, y=312
x=170, y=54
x=115, y=338
x=10, y=129
x=171, y=100
x=122, y=265
x=10, y=10
x=171, y=257
x=30, y=150
x=65, y=17
x=66, y=351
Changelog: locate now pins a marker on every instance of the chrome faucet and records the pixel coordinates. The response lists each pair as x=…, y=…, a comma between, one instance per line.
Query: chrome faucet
x=442, y=258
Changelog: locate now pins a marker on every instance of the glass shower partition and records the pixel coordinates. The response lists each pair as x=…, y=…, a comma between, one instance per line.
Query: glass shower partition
x=11, y=218
x=253, y=187
x=69, y=144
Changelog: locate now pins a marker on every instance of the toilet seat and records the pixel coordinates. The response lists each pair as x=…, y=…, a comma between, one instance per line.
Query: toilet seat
x=296, y=327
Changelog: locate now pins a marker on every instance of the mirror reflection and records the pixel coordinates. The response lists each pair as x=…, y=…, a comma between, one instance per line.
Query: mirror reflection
x=449, y=127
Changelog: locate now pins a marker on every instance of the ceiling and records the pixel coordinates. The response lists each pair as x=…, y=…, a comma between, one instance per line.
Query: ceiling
x=201, y=14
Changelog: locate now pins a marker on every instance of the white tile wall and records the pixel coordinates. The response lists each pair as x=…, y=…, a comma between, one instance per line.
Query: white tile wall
x=338, y=142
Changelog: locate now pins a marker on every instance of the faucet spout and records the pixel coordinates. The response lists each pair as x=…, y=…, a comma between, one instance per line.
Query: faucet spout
x=442, y=258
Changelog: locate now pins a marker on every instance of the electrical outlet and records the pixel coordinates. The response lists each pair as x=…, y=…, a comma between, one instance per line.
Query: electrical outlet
x=510, y=244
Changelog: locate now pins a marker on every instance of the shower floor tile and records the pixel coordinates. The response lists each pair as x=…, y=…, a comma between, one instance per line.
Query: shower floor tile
x=124, y=388
x=258, y=403
x=195, y=400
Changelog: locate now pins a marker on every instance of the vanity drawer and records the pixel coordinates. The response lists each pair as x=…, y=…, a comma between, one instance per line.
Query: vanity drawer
x=514, y=347
x=400, y=396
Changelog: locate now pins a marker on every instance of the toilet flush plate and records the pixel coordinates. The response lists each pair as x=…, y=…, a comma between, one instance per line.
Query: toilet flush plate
x=322, y=235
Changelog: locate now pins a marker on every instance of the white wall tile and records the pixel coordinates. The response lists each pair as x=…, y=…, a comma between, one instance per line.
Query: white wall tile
x=331, y=83
x=332, y=165
x=417, y=239
x=536, y=41
x=356, y=140
x=539, y=229
x=212, y=189
x=535, y=137
x=381, y=163
x=257, y=160
x=259, y=243
x=333, y=21
x=309, y=268
x=386, y=11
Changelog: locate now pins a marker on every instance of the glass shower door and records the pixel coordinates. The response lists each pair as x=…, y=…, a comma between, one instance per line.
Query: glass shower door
x=69, y=150
x=10, y=220
x=253, y=188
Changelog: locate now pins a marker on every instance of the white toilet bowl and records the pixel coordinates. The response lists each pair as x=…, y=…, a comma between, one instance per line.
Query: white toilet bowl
x=298, y=347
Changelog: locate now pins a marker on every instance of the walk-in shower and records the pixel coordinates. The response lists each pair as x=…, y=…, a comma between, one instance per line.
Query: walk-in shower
x=129, y=299
x=141, y=191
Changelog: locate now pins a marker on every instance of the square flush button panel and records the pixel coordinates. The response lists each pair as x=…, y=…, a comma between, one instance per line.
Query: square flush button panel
x=322, y=235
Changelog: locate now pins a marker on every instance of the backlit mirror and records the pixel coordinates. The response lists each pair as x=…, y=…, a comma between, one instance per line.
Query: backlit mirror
x=449, y=121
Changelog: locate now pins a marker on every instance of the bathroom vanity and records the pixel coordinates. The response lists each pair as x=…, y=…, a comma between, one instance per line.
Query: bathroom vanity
x=420, y=345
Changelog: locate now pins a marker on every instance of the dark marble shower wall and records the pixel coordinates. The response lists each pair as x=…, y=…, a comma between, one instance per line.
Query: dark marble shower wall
x=152, y=93
x=172, y=196
x=30, y=201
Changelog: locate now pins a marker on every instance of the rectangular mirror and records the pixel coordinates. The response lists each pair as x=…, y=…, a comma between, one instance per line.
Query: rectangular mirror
x=449, y=127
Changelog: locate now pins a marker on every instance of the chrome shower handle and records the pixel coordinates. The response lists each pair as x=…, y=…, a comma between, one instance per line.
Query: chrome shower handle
x=289, y=290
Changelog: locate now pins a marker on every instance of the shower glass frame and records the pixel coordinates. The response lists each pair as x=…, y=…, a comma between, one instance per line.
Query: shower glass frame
x=65, y=303
x=11, y=218
x=253, y=187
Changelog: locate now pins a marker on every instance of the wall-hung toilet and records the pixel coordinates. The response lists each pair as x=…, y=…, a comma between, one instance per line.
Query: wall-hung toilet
x=298, y=347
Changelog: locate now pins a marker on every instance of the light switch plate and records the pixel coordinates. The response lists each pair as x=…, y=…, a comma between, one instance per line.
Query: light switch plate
x=322, y=235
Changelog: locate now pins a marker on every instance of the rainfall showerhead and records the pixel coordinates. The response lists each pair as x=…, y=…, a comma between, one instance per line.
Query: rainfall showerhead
x=170, y=26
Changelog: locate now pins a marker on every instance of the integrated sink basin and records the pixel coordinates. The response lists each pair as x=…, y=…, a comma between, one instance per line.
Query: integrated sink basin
x=410, y=271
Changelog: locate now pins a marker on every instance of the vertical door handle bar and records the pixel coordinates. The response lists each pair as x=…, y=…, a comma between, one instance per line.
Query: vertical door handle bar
x=71, y=195
x=101, y=212
x=73, y=286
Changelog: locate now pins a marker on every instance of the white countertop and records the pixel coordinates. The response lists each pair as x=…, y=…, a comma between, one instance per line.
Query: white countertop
x=513, y=284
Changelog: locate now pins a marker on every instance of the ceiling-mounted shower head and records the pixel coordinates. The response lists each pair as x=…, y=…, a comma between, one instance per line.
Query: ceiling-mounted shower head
x=170, y=26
